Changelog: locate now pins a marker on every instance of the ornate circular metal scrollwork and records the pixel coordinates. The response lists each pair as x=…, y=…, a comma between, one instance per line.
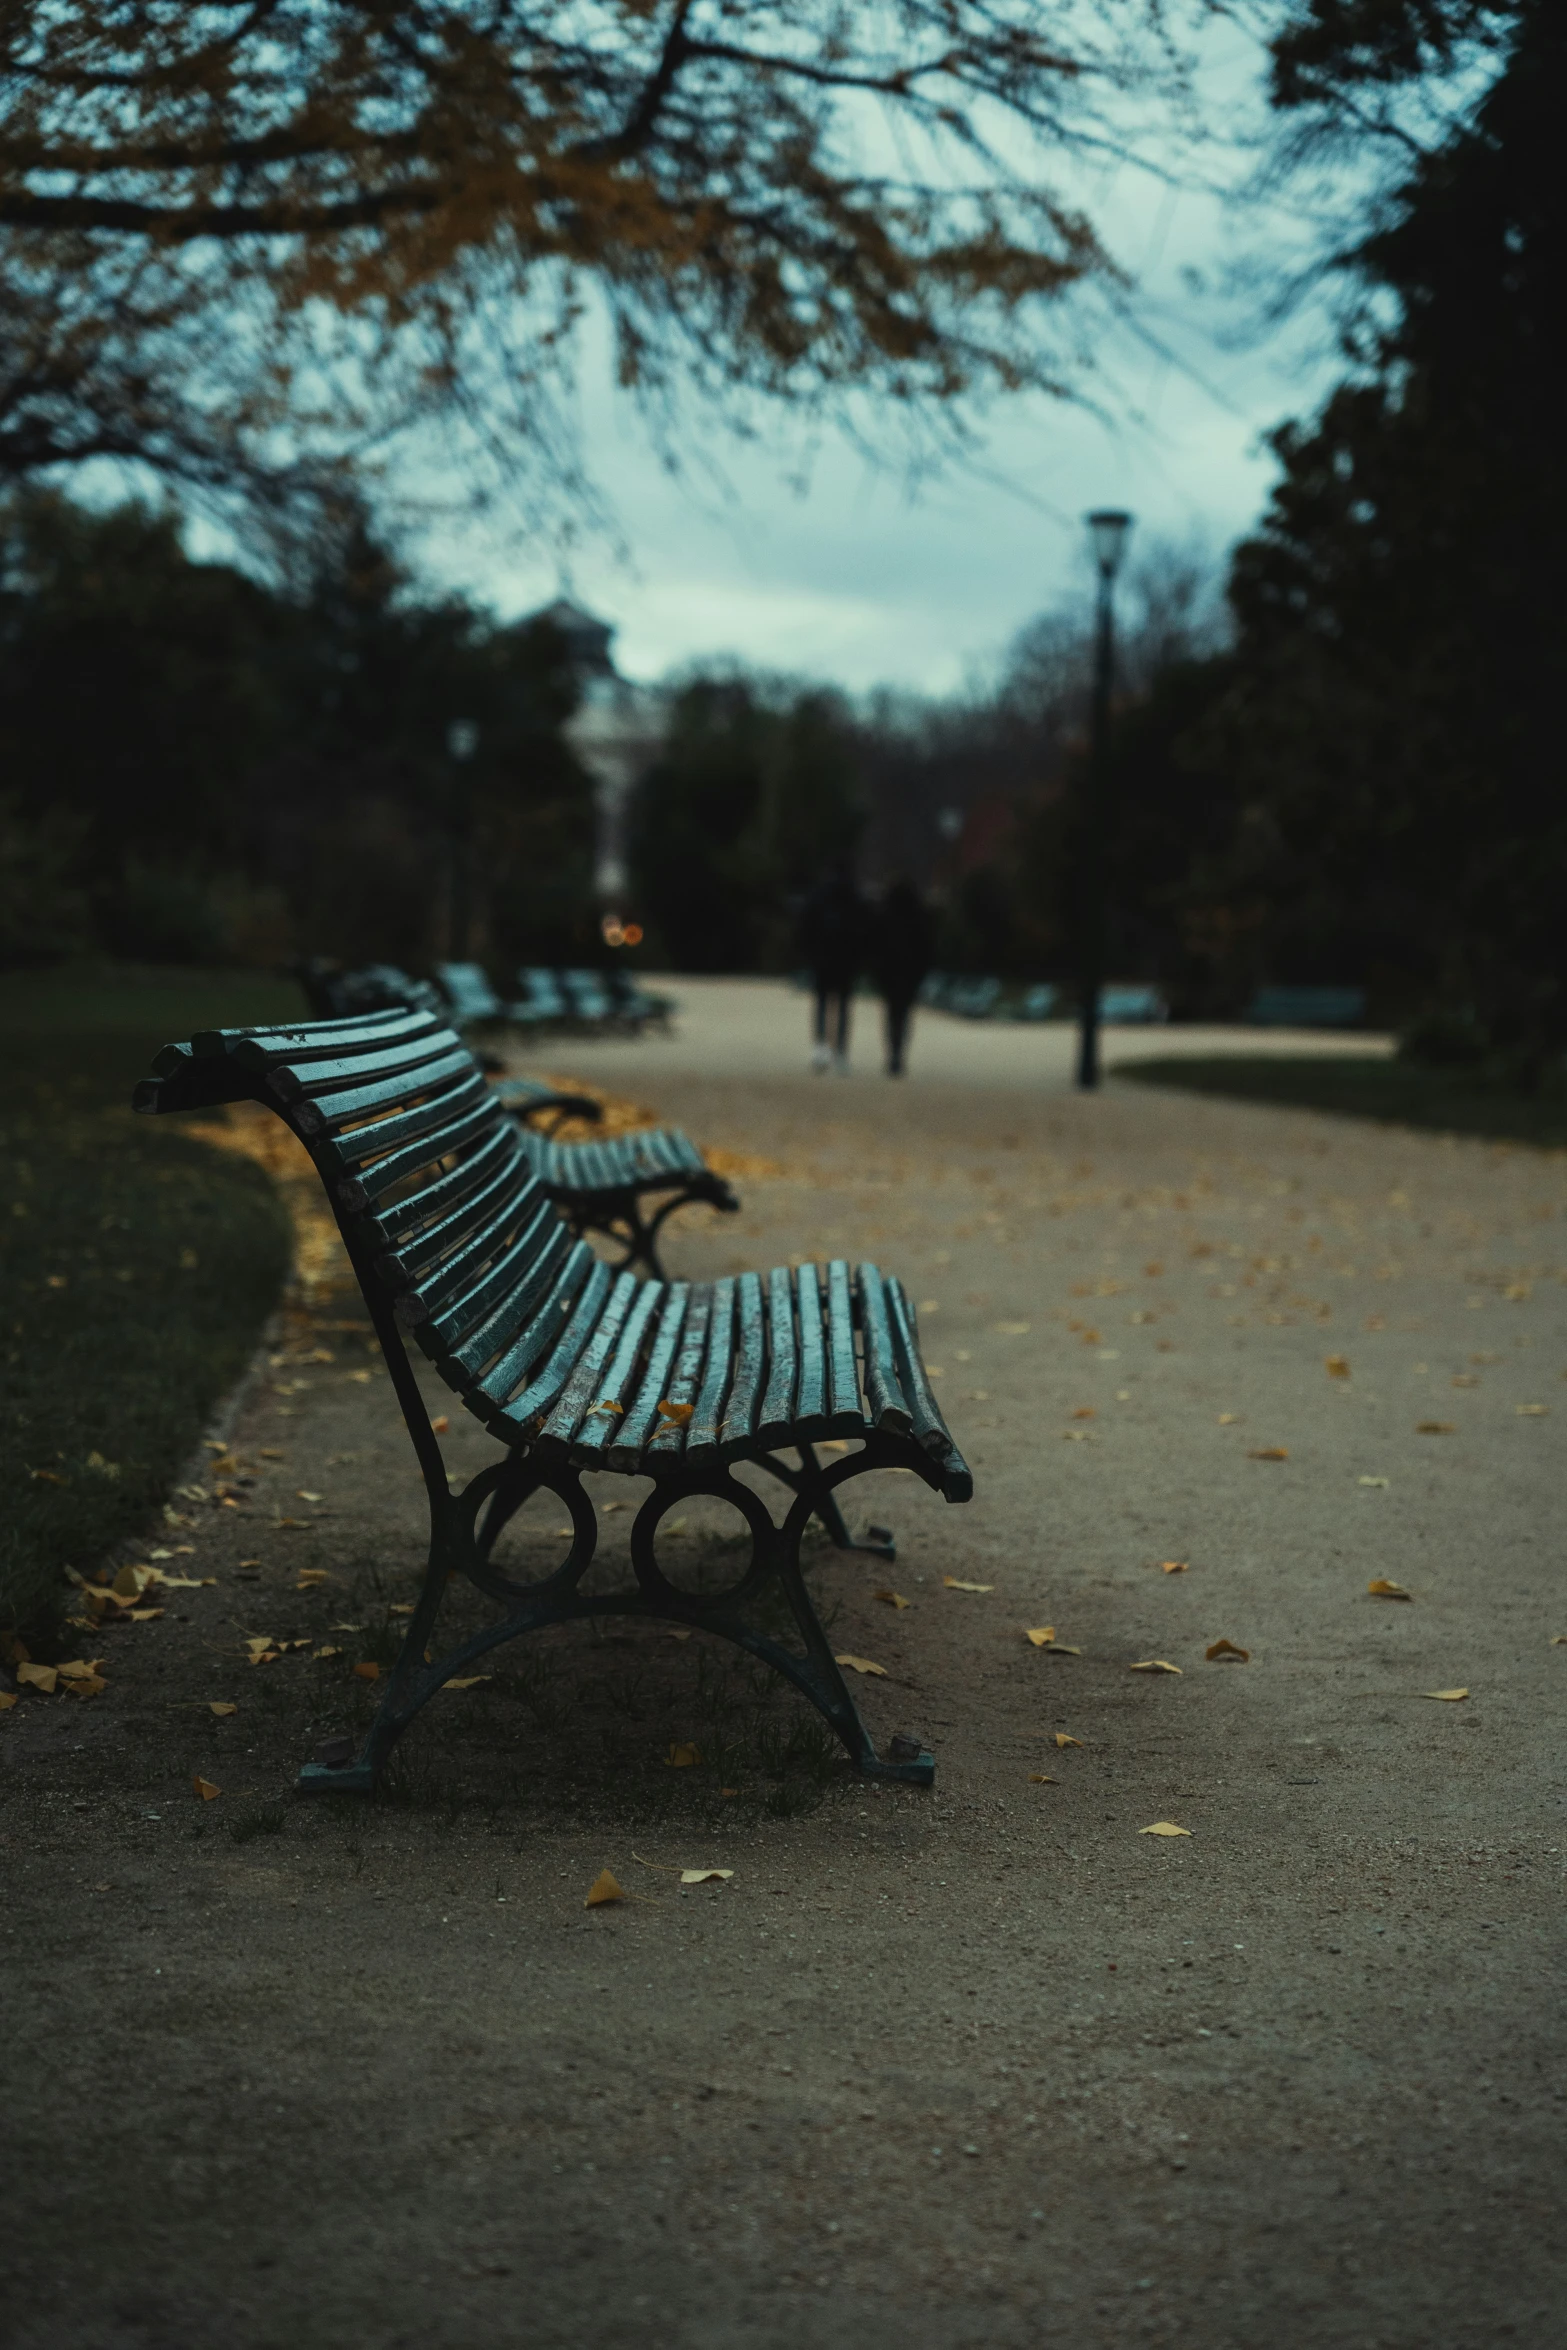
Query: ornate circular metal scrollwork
x=658, y=1587
x=506, y=1487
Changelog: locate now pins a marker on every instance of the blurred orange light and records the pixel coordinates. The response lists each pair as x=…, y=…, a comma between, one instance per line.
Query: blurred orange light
x=631, y=934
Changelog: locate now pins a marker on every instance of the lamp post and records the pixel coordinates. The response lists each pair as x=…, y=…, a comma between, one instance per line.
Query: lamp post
x=1108, y=534
x=462, y=740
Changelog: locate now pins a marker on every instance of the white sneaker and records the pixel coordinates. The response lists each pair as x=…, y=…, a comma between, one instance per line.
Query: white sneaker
x=821, y=1060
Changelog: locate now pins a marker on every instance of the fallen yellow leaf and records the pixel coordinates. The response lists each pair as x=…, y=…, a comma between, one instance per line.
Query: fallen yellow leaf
x=1270, y=1452
x=1228, y=1419
x=683, y=1754
x=440, y=1426
x=1154, y=1664
x=79, y=1669
x=323, y=1653
x=1063, y=1740
x=861, y=1664
x=1381, y=1588
x=221, y=1707
x=1175, y=1566
x=367, y=1672
x=1040, y=1779
x=1042, y=1635
x=1085, y=1411
x=1336, y=1366
x=400, y=1607
x=41, y=1677
x=604, y=1407
x=1224, y=1648
x=143, y=1615
x=954, y=1583
x=1164, y=1828
x=1013, y=1329
x=1373, y=1480
x=1559, y=1639
x=603, y=1888
x=85, y=1685
x=302, y=1495
x=705, y=1876
x=205, y=1789
x=8, y=1698
x=471, y=1682
x=1434, y=1428
x=1531, y=1411
x=1449, y=1696
x=892, y=1598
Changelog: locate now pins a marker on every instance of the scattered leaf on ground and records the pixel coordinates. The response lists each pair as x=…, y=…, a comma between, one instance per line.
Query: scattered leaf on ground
x=1085, y=1411
x=41, y=1677
x=401, y=1607
x=1040, y=1779
x=1336, y=1366
x=603, y=1888
x=323, y=1653
x=1228, y=1419
x=1449, y=1696
x=892, y=1598
x=1154, y=1664
x=605, y=1407
x=1175, y=1566
x=1374, y=1480
x=1164, y=1828
x=205, y=1789
x=1531, y=1411
x=1041, y=1635
x=367, y=1672
x=1013, y=1329
x=8, y=1698
x=1559, y=1639
x=1270, y=1452
x=311, y=1578
x=440, y=1426
x=471, y=1682
x=682, y=1754
x=1434, y=1428
x=955, y=1583
x=221, y=1707
x=1381, y=1588
x=861, y=1664
x=1219, y=1649
x=705, y=1876
x=1062, y=1739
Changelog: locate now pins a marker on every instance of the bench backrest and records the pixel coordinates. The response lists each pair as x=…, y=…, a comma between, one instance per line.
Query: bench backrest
x=432, y=1184
x=468, y=991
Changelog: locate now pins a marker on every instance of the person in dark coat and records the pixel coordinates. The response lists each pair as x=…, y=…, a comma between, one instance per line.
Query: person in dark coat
x=904, y=948
x=833, y=928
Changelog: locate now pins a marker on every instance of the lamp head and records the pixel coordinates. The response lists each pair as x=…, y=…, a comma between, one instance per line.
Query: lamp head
x=1108, y=532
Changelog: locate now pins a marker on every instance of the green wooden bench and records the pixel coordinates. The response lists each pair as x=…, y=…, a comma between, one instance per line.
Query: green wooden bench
x=576, y=1366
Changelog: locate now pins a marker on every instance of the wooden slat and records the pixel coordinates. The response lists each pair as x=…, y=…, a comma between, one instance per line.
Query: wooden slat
x=439, y=1260
x=406, y=1219
x=883, y=1393
x=553, y=1373
x=462, y=1314
x=641, y=1415
x=600, y=1425
x=256, y=1048
x=783, y=1360
x=291, y=1080
x=810, y=1403
x=429, y=1077
x=929, y=1428
x=401, y=1127
x=843, y=1384
x=684, y=1378
x=547, y=1244
x=736, y=1429
x=581, y=1388
x=542, y=1331
x=703, y=1434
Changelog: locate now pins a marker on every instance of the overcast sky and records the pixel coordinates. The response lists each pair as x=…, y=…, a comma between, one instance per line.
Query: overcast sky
x=866, y=582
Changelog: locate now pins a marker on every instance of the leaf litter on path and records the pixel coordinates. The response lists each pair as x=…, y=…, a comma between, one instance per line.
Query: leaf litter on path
x=1218, y=1650
x=1163, y=1828
x=862, y=1664
x=1382, y=1588
x=1154, y=1664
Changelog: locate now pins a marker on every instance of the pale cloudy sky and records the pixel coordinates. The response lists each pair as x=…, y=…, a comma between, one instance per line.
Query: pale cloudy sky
x=866, y=582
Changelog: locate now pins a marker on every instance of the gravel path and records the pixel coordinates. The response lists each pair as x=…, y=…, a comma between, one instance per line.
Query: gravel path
x=986, y=2066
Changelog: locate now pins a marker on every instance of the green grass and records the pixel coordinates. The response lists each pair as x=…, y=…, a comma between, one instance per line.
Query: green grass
x=1449, y=1101
x=136, y=1266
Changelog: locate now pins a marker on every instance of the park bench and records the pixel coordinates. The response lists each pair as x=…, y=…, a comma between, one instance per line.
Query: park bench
x=1307, y=1007
x=573, y=1366
x=602, y=1186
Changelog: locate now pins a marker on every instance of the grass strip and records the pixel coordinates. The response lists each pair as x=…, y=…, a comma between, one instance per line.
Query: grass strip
x=1365, y=1086
x=137, y=1266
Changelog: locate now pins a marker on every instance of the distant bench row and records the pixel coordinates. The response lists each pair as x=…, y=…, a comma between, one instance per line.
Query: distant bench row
x=1130, y=1005
x=465, y=994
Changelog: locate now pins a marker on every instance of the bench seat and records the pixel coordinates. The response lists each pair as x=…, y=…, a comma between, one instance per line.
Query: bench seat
x=445, y=1208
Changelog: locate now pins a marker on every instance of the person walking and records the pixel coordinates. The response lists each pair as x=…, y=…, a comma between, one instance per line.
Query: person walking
x=832, y=940
x=903, y=952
